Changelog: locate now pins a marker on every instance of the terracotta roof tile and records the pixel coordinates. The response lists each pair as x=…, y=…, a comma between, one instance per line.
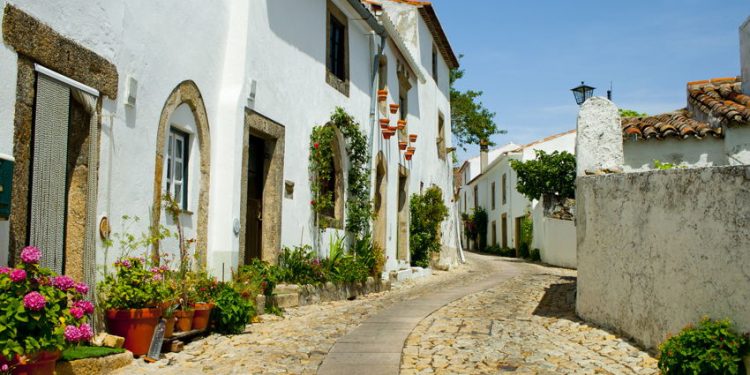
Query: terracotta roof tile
x=719, y=98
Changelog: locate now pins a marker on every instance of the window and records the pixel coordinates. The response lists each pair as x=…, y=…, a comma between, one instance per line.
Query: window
x=441, y=137
x=178, y=150
x=494, y=233
x=337, y=54
x=434, y=64
x=334, y=185
x=465, y=202
x=476, y=196
x=503, y=188
x=493, y=195
x=504, y=230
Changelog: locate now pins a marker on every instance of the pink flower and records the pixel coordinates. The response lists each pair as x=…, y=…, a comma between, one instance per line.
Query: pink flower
x=82, y=288
x=17, y=275
x=4, y=367
x=86, y=332
x=34, y=301
x=125, y=263
x=157, y=277
x=72, y=334
x=77, y=312
x=155, y=270
x=4, y=270
x=31, y=255
x=63, y=283
x=86, y=306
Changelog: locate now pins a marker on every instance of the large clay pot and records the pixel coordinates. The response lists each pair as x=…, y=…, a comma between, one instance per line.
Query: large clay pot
x=136, y=326
x=184, y=319
x=42, y=363
x=169, y=324
x=202, y=315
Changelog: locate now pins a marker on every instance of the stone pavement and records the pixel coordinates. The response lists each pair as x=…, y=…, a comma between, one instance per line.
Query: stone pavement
x=524, y=324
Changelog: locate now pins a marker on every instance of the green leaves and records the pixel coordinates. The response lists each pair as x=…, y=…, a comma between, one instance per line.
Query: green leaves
x=549, y=174
x=711, y=348
x=427, y=213
x=232, y=312
x=471, y=121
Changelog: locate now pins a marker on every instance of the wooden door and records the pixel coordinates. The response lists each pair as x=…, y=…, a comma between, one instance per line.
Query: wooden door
x=254, y=212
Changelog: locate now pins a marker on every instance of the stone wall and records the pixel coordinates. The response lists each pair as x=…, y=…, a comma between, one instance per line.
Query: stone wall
x=658, y=250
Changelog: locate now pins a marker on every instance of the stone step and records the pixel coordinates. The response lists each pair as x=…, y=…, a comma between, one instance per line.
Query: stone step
x=286, y=300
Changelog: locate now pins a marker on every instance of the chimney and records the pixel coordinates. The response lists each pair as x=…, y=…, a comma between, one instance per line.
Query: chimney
x=745, y=55
x=483, y=147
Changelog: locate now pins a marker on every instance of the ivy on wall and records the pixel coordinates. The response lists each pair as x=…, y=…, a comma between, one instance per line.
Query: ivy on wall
x=322, y=141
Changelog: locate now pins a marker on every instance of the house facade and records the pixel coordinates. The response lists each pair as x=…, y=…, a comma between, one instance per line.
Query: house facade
x=109, y=108
x=493, y=187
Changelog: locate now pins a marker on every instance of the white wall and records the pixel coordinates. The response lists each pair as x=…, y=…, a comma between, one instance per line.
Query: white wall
x=659, y=250
x=692, y=153
x=737, y=145
x=556, y=239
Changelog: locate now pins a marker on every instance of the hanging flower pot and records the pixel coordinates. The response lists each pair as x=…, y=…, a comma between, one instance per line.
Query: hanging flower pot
x=135, y=325
x=387, y=134
x=402, y=145
x=411, y=150
x=394, y=108
x=408, y=156
x=393, y=129
x=401, y=124
x=384, y=122
x=382, y=95
x=202, y=315
x=412, y=138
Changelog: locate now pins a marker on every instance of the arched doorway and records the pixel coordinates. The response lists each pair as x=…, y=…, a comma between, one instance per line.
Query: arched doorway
x=380, y=202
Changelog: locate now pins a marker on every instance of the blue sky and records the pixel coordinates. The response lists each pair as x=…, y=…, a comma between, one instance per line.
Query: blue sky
x=526, y=56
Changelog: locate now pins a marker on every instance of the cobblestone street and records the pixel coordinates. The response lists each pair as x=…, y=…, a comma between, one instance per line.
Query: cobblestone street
x=524, y=325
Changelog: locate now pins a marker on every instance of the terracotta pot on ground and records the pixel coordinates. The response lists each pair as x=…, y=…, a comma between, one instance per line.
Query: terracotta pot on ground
x=412, y=138
x=401, y=124
x=135, y=325
x=184, y=319
x=202, y=315
x=43, y=363
x=382, y=95
x=394, y=108
x=169, y=324
x=402, y=145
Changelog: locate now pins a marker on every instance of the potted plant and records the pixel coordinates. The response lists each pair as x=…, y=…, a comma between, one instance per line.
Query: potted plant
x=169, y=320
x=382, y=95
x=394, y=108
x=401, y=124
x=131, y=297
x=388, y=133
x=408, y=155
x=402, y=145
x=42, y=313
x=384, y=123
x=411, y=150
x=412, y=138
x=206, y=289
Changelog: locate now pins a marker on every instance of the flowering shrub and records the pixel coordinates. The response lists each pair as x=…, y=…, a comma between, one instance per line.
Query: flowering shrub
x=39, y=311
x=133, y=285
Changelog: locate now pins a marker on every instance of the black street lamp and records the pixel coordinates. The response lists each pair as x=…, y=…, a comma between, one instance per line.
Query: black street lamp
x=582, y=93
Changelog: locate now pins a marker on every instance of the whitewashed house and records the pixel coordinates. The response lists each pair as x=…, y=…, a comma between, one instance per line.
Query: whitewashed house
x=213, y=103
x=493, y=187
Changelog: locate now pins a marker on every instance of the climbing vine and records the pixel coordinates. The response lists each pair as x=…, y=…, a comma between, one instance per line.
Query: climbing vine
x=358, y=205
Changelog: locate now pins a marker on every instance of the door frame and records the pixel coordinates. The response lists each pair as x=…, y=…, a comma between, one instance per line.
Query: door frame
x=273, y=133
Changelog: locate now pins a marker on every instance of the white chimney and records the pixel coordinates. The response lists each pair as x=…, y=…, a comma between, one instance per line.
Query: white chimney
x=745, y=55
x=483, y=157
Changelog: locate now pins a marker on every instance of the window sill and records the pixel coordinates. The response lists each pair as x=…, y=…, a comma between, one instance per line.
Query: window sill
x=338, y=84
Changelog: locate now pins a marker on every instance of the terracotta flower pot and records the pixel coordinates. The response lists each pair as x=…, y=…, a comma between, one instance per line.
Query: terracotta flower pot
x=382, y=95
x=394, y=108
x=412, y=138
x=384, y=122
x=393, y=129
x=402, y=145
x=401, y=124
x=135, y=325
x=408, y=156
x=202, y=315
x=411, y=150
x=184, y=319
x=42, y=363
x=387, y=134
x=169, y=324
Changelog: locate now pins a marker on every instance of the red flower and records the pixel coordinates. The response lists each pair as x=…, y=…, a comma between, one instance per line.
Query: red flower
x=316, y=145
x=312, y=203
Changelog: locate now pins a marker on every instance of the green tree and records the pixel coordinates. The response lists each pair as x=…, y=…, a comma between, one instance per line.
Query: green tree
x=471, y=121
x=549, y=174
x=624, y=113
x=427, y=212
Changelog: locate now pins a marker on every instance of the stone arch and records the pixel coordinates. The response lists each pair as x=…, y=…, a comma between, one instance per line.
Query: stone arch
x=335, y=218
x=186, y=92
x=380, y=201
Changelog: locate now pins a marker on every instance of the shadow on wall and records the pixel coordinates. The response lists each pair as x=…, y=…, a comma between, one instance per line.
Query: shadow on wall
x=559, y=300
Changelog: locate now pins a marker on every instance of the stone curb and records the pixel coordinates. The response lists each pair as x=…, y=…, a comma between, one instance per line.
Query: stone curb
x=94, y=366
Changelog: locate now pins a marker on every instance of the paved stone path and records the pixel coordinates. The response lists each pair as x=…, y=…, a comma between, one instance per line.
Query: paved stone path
x=500, y=316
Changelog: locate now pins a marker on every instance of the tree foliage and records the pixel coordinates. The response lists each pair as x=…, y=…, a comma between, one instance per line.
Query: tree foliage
x=471, y=121
x=549, y=174
x=427, y=212
x=625, y=113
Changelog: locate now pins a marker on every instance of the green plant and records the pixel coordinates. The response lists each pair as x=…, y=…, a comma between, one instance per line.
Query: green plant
x=427, y=213
x=232, y=312
x=508, y=252
x=479, y=221
x=549, y=174
x=523, y=251
x=132, y=286
x=713, y=347
x=370, y=254
x=527, y=230
x=535, y=255
x=299, y=265
x=83, y=352
x=358, y=205
x=630, y=113
x=39, y=310
x=258, y=277
x=665, y=166
x=206, y=287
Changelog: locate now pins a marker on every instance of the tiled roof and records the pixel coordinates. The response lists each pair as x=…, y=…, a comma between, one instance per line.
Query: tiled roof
x=720, y=99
